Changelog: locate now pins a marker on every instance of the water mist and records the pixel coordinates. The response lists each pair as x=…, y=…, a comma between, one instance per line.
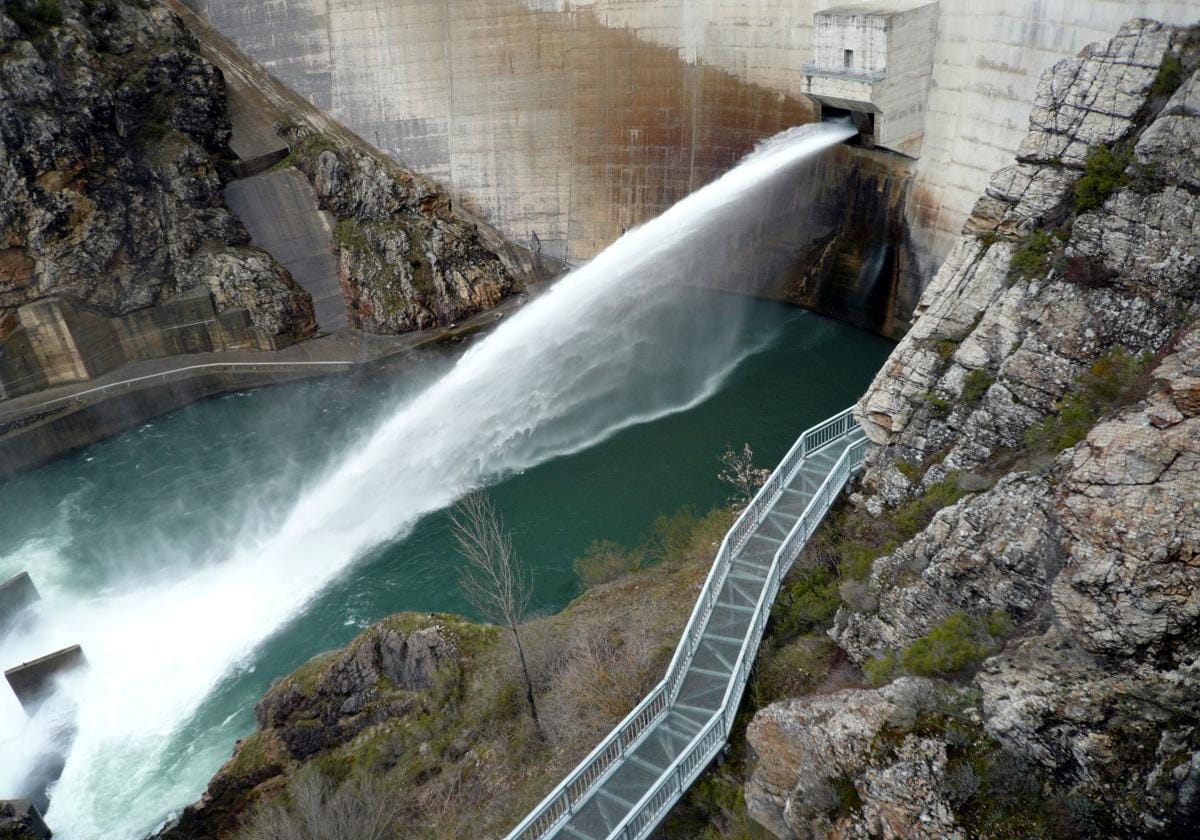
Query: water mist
x=605, y=348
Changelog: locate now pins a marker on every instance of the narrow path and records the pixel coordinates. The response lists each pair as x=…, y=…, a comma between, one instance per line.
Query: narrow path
x=630, y=781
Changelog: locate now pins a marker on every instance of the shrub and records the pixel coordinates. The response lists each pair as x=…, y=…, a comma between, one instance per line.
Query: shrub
x=881, y=669
x=909, y=470
x=1169, y=76
x=686, y=535
x=1104, y=172
x=35, y=17
x=794, y=669
x=1086, y=272
x=975, y=385
x=606, y=560
x=314, y=808
x=940, y=406
x=916, y=514
x=1031, y=256
x=807, y=601
x=945, y=348
x=1089, y=396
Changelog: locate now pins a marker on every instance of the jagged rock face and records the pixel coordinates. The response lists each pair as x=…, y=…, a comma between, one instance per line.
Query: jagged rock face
x=1093, y=551
x=814, y=753
x=1119, y=275
x=405, y=260
x=113, y=143
x=997, y=550
x=331, y=699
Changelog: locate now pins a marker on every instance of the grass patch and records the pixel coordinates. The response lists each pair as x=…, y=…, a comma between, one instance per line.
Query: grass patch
x=1104, y=173
x=1032, y=256
x=1090, y=395
x=975, y=385
x=910, y=471
x=794, y=669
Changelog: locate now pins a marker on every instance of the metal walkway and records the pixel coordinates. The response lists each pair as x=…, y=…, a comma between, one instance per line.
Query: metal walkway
x=633, y=777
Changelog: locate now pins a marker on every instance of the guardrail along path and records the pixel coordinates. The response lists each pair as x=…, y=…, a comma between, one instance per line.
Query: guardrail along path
x=632, y=778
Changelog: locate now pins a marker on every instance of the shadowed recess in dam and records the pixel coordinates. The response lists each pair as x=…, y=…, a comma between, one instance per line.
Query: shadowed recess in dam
x=617, y=343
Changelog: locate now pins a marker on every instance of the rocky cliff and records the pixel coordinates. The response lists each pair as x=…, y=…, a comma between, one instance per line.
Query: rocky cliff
x=113, y=153
x=406, y=261
x=1020, y=569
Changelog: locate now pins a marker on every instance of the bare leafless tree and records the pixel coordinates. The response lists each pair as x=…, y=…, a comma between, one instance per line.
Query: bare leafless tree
x=494, y=579
x=738, y=472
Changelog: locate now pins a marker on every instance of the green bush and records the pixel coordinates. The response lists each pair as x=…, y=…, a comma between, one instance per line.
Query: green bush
x=606, y=560
x=956, y=645
x=916, y=514
x=686, y=535
x=909, y=470
x=940, y=406
x=1089, y=396
x=1169, y=76
x=881, y=669
x=949, y=648
x=1104, y=172
x=1031, y=256
x=975, y=385
x=807, y=601
x=945, y=348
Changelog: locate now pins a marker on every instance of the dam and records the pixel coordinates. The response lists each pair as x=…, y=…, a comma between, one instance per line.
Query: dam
x=568, y=121
x=295, y=279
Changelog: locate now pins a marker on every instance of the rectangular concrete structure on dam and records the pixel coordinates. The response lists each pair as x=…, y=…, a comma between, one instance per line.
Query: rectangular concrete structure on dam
x=876, y=58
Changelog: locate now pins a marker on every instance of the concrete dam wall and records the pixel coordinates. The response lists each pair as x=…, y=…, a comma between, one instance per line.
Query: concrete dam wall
x=563, y=122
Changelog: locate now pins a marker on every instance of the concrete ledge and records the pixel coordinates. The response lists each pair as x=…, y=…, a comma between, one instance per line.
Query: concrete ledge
x=16, y=593
x=33, y=681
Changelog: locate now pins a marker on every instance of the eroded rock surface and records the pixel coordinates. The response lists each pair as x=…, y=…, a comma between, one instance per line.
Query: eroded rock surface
x=113, y=154
x=406, y=261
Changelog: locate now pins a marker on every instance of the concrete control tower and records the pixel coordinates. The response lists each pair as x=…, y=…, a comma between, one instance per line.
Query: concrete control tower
x=873, y=61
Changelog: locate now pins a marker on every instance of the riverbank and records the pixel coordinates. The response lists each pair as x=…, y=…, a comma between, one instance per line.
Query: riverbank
x=40, y=427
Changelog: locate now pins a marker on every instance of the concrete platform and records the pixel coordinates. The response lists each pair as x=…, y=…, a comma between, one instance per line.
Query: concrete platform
x=33, y=681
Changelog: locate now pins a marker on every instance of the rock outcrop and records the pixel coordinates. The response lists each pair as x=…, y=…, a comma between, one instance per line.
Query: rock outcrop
x=113, y=154
x=382, y=674
x=1053, y=378
x=406, y=261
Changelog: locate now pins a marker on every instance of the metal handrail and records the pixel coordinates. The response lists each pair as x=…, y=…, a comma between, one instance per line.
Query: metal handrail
x=560, y=803
x=229, y=367
x=811, y=68
x=649, y=810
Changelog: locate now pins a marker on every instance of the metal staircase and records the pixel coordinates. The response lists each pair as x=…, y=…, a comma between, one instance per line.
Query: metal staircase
x=631, y=779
